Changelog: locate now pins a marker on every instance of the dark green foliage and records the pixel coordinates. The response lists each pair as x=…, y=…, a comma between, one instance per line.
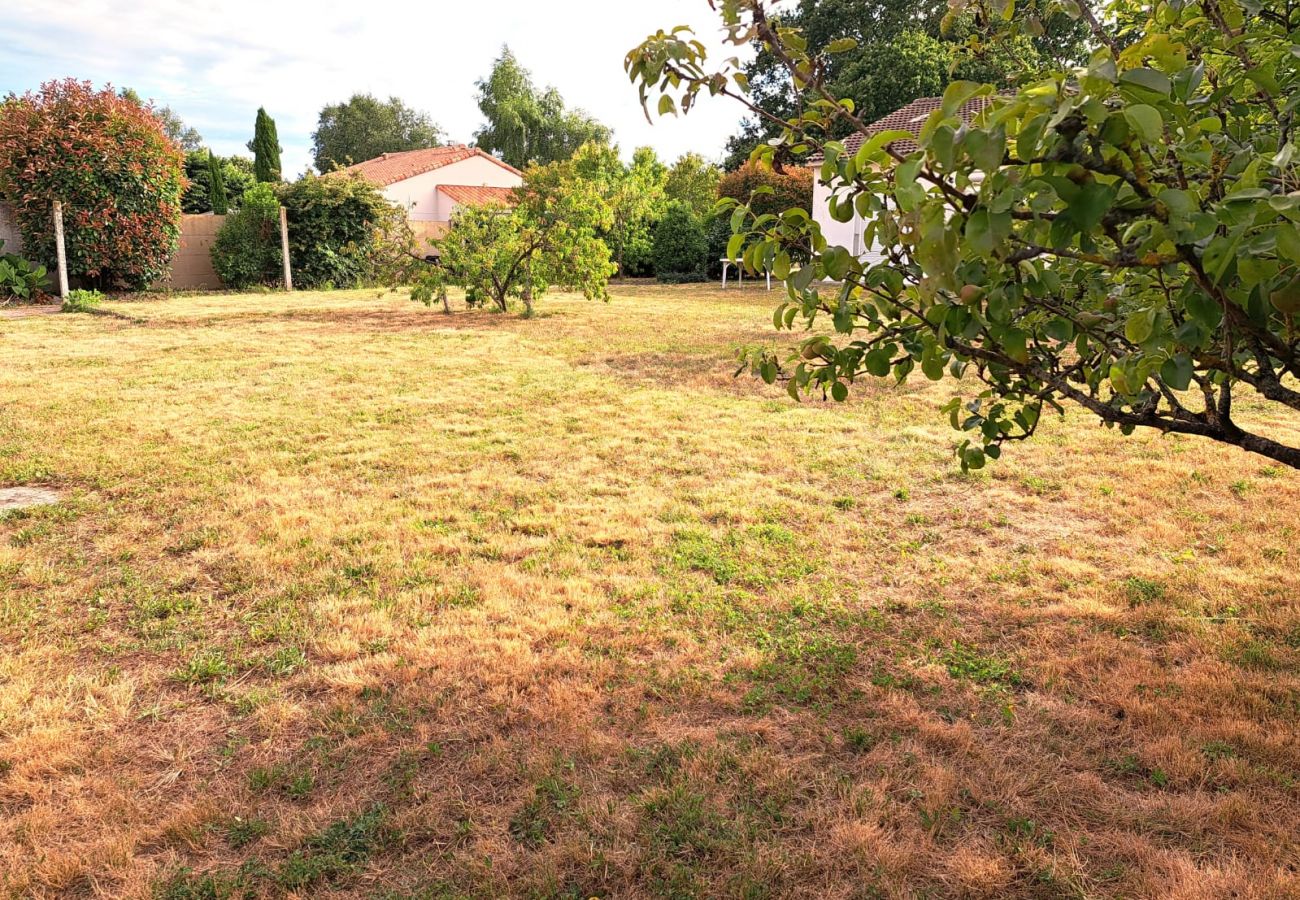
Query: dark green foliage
x=236, y=177
x=903, y=51
x=266, y=148
x=364, y=127
x=681, y=246
x=217, y=186
x=19, y=278
x=342, y=232
x=246, y=251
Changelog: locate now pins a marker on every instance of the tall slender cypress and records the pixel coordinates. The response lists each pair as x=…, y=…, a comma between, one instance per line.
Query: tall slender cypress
x=266, y=148
x=217, y=186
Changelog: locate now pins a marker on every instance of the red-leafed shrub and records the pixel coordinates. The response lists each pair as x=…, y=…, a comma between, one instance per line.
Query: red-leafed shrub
x=106, y=157
x=791, y=188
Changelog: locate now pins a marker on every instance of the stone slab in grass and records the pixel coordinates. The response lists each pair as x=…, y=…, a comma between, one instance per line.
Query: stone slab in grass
x=23, y=497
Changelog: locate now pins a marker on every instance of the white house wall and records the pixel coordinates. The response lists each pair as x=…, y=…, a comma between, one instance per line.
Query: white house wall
x=849, y=235
x=419, y=195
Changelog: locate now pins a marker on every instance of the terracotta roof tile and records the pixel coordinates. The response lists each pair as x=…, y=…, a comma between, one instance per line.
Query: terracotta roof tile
x=909, y=118
x=394, y=167
x=472, y=195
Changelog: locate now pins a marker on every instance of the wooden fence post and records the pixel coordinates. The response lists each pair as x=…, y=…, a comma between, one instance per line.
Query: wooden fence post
x=60, y=250
x=284, y=248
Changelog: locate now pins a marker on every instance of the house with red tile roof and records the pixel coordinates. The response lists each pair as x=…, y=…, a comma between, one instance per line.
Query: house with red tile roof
x=430, y=184
x=850, y=235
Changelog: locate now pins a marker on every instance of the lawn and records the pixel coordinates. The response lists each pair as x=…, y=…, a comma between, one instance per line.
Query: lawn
x=346, y=597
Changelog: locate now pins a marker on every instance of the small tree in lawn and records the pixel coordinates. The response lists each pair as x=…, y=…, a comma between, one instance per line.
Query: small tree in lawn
x=106, y=157
x=266, y=149
x=217, y=186
x=1123, y=236
x=550, y=238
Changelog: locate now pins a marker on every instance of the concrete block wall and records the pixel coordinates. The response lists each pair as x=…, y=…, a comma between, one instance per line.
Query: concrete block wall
x=13, y=240
x=192, y=266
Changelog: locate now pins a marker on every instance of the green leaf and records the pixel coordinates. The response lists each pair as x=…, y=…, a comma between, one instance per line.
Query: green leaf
x=1150, y=79
x=1203, y=308
x=1090, y=206
x=1139, y=326
x=881, y=139
x=986, y=148
x=879, y=361
x=1177, y=372
x=842, y=45
x=840, y=391
x=1288, y=242
x=1147, y=120
x=958, y=92
x=979, y=235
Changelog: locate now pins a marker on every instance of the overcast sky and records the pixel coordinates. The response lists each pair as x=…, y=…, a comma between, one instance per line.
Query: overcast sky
x=215, y=63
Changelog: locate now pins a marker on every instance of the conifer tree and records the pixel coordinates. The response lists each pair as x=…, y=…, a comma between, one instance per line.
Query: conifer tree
x=217, y=186
x=266, y=148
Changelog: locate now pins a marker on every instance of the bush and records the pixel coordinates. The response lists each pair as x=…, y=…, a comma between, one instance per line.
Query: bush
x=343, y=232
x=106, y=157
x=236, y=173
x=82, y=301
x=246, y=251
x=681, y=246
x=19, y=278
x=791, y=189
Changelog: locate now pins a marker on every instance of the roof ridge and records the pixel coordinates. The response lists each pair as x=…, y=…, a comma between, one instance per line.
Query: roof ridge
x=392, y=167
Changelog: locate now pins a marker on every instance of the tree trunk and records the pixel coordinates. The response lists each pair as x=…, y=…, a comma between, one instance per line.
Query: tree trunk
x=446, y=304
x=528, y=290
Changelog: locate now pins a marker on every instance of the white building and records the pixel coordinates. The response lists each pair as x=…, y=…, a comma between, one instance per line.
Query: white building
x=430, y=184
x=849, y=235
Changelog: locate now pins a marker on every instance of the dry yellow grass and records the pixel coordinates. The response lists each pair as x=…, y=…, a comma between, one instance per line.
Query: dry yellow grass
x=350, y=598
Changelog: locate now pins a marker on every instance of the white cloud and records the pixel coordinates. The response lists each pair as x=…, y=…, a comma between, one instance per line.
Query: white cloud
x=215, y=63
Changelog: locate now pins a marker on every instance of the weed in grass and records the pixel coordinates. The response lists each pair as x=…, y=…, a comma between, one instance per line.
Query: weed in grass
x=285, y=661
x=1024, y=830
x=340, y=850
x=1252, y=653
x=1241, y=487
x=859, y=739
x=803, y=670
x=681, y=829
x=204, y=667
x=844, y=503
x=964, y=661
x=242, y=832
x=1143, y=590
x=293, y=783
x=185, y=884
x=1217, y=750
x=552, y=799
x=698, y=551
